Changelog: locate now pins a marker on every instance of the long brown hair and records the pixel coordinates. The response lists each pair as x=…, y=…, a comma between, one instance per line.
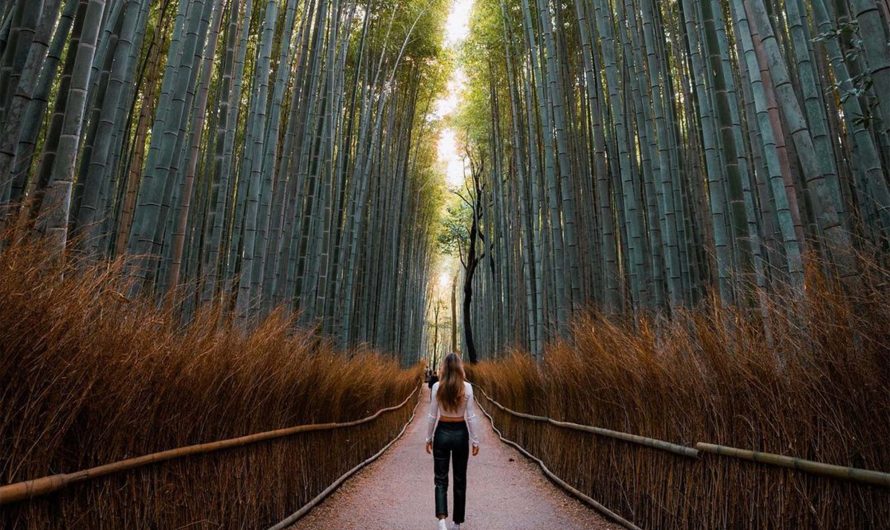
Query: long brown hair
x=451, y=382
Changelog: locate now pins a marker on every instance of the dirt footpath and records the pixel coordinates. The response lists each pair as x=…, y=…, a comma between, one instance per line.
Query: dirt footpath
x=504, y=491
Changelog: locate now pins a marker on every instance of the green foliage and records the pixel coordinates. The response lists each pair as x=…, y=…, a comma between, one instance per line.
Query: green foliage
x=454, y=233
x=392, y=22
x=481, y=57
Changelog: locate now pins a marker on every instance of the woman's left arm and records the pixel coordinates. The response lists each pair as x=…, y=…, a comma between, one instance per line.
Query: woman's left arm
x=472, y=419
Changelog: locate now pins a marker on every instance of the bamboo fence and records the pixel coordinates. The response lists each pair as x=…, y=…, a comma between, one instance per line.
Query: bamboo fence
x=681, y=450
x=293, y=518
x=854, y=474
x=29, y=489
x=865, y=476
x=552, y=476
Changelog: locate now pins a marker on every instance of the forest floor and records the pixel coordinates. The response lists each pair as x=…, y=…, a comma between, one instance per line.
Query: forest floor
x=505, y=491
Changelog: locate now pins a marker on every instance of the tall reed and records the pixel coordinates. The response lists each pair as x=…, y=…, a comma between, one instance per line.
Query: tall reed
x=816, y=387
x=89, y=377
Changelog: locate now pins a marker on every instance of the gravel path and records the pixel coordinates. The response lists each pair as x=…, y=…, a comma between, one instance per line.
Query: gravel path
x=505, y=491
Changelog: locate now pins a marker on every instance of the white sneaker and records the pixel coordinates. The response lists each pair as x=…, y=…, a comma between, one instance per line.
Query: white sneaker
x=456, y=526
x=442, y=525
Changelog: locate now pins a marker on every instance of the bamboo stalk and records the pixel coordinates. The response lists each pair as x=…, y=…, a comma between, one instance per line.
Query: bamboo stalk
x=41, y=486
x=876, y=478
x=654, y=443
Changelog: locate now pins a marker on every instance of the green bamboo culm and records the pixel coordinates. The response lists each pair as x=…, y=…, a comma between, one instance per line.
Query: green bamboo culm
x=242, y=153
x=664, y=155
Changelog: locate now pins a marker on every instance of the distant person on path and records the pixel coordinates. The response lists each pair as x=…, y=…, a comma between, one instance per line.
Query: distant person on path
x=433, y=378
x=452, y=397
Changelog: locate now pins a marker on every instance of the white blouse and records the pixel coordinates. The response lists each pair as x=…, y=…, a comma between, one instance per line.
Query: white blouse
x=466, y=409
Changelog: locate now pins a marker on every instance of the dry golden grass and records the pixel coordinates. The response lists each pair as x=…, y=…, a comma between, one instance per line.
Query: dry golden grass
x=819, y=389
x=88, y=377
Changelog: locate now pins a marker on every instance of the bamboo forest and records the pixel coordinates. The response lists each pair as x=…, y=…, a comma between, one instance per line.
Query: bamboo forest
x=252, y=250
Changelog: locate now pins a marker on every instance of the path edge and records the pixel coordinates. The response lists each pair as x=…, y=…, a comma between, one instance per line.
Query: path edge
x=560, y=482
x=296, y=516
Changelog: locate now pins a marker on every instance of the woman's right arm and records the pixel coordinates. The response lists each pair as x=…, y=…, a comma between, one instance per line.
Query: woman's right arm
x=433, y=414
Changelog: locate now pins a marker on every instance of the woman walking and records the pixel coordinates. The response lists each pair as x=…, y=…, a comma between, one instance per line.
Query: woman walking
x=452, y=404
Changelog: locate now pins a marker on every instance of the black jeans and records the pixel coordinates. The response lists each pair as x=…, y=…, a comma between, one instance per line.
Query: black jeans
x=451, y=442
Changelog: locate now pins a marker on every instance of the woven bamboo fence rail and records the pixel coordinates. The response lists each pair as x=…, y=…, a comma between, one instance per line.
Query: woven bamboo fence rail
x=294, y=517
x=560, y=482
x=866, y=476
x=876, y=478
x=29, y=489
x=681, y=450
